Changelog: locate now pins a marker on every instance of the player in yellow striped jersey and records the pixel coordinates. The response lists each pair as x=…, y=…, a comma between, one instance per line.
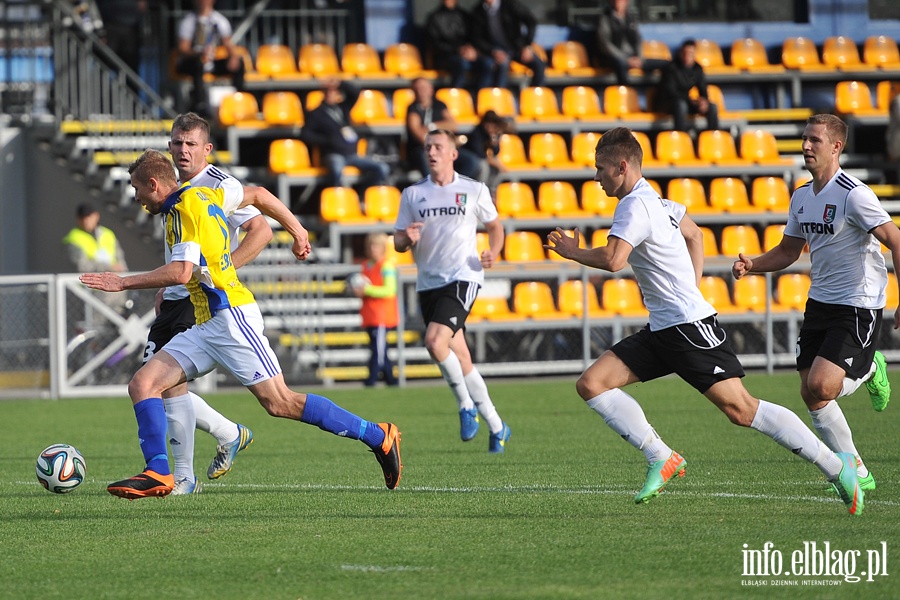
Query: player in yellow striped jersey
x=229, y=329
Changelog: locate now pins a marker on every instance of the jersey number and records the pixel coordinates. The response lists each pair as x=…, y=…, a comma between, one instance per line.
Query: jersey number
x=216, y=212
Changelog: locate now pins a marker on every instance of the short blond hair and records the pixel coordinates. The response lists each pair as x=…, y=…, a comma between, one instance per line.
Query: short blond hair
x=835, y=128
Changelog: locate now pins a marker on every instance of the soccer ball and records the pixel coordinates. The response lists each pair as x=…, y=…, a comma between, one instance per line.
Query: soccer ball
x=60, y=468
x=357, y=281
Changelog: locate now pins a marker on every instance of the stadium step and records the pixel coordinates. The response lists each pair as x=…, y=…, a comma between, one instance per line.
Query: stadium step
x=329, y=374
x=342, y=338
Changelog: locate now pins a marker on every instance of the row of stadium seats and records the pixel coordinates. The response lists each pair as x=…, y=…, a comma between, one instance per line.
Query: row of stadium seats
x=570, y=58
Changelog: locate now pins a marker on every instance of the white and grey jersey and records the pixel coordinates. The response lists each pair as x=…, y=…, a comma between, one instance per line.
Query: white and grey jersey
x=847, y=264
x=213, y=177
x=660, y=258
x=449, y=214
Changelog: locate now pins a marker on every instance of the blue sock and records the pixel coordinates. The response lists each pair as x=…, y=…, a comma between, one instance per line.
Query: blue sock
x=151, y=419
x=328, y=416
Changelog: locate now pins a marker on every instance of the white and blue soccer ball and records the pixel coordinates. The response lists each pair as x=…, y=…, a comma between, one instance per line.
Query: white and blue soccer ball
x=61, y=468
x=357, y=281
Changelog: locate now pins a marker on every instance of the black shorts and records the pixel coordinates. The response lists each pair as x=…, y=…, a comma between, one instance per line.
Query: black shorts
x=174, y=317
x=843, y=335
x=449, y=305
x=698, y=352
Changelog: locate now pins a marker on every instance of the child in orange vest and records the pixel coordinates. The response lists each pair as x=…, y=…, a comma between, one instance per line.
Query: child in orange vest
x=379, y=306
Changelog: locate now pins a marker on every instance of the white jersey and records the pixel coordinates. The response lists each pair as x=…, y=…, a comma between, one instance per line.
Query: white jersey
x=660, y=259
x=848, y=267
x=213, y=177
x=447, y=250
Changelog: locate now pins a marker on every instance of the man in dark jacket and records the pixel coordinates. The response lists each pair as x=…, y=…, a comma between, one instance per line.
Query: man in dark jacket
x=448, y=39
x=503, y=31
x=676, y=81
x=619, y=42
x=329, y=128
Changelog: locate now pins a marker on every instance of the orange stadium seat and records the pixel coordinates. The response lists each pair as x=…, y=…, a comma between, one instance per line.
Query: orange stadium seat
x=595, y=200
x=623, y=297
x=715, y=291
x=854, y=98
x=750, y=293
x=558, y=198
x=516, y=200
x=655, y=49
x=401, y=100
x=512, y=153
x=282, y=109
x=740, y=238
x=583, y=103
x=362, y=60
x=341, y=205
x=748, y=54
x=792, y=290
x=885, y=92
x=517, y=68
x=523, y=246
x=460, y=104
x=291, y=157
x=382, y=202
x=534, y=299
x=893, y=296
x=276, y=61
x=318, y=60
x=372, y=109
x=621, y=101
x=710, y=245
x=760, y=147
x=770, y=193
x=572, y=300
x=690, y=192
x=540, y=104
x=600, y=238
x=772, y=235
x=491, y=308
x=314, y=99
x=881, y=51
x=709, y=56
x=404, y=60
x=584, y=146
x=729, y=194
x=398, y=258
x=240, y=109
x=842, y=53
x=649, y=157
x=677, y=148
x=800, y=53
x=718, y=147
x=499, y=100
x=549, y=150
x=570, y=57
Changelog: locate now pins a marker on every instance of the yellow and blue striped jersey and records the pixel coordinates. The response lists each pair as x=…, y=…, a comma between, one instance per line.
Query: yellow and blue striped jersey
x=197, y=232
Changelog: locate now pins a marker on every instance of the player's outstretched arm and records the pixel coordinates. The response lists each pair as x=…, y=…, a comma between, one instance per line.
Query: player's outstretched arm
x=174, y=273
x=271, y=206
x=257, y=235
x=612, y=257
x=780, y=257
x=404, y=239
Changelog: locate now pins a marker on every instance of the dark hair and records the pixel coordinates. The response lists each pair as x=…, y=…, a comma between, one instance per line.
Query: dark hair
x=191, y=121
x=688, y=42
x=619, y=144
x=84, y=210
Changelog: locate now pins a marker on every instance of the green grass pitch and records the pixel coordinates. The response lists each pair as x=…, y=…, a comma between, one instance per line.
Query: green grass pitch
x=305, y=514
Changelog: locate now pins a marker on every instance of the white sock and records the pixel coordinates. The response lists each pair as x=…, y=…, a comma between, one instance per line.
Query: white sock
x=213, y=422
x=626, y=417
x=786, y=428
x=479, y=393
x=453, y=375
x=180, y=417
x=832, y=426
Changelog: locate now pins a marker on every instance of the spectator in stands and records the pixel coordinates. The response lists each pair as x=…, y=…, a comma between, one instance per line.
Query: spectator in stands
x=673, y=94
x=379, y=307
x=329, y=128
x=448, y=40
x=483, y=143
x=503, y=31
x=619, y=41
x=438, y=219
x=425, y=114
x=200, y=34
x=93, y=248
x=122, y=25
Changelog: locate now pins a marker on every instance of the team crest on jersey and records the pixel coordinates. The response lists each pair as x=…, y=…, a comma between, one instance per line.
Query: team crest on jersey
x=830, y=211
x=460, y=199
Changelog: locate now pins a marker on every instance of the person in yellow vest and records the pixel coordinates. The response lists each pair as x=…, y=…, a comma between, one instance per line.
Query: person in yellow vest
x=93, y=248
x=379, y=306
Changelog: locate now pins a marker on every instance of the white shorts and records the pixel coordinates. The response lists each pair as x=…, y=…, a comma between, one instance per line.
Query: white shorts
x=232, y=339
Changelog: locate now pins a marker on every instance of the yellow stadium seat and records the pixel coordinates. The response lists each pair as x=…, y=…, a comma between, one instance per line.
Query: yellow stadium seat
x=621, y=101
x=512, y=153
x=718, y=147
x=401, y=100
x=499, y=100
x=382, y=202
x=318, y=60
x=404, y=60
x=459, y=103
x=313, y=99
x=690, y=192
x=655, y=49
x=540, y=104
x=792, y=290
x=534, y=299
x=600, y=238
x=677, y=148
x=772, y=235
x=854, y=98
x=372, y=109
x=582, y=102
x=549, y=150
x=582, y=243
x=341, y=205
x=650, y=160
x=282, y=109
x=558, y=198
x=759, y=146
x=800, y=53
x=516, y=200
x=737, y=239
x=361, y=60
x=748, y=54
x=523, y=246
x=291, y=157
x=729, y=194
x=710, y=245
x=881, y=51
x=715, y=291
x=842, y=53
x=491, y=308
x=595, y=200
x=398, y=258
x=770, y=193
x=750, y=293
x=572, y=300
x=893, y=296
x=570, y=57
x=276, y=61
x=709, y=56
x=483, y=242
x=240, y=109
x=885, y=92
x=623, y=297
x=584, y=146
